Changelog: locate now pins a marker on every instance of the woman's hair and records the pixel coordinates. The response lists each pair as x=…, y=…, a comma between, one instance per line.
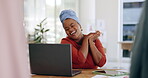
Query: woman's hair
x=65, y=14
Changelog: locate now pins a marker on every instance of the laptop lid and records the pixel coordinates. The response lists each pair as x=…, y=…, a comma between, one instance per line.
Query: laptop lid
x=51, y=59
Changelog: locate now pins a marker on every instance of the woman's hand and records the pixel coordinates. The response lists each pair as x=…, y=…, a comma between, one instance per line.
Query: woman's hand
x=85, y=45
x=96, y=54
x=94, y=36
x=87, y=37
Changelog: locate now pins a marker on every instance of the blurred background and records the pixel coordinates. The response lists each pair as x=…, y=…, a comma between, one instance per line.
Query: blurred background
x=116, y=19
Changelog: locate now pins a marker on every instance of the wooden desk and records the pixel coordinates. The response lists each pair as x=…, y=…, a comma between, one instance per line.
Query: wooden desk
x=86, y=73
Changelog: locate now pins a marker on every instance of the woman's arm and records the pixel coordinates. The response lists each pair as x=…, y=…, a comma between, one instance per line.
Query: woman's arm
x=97, y=51
x=85, y=45
x=99, y=46
x=78, y=54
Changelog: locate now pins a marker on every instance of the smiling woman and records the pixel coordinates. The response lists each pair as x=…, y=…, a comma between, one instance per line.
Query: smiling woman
x=73, y=29
x=87, y=50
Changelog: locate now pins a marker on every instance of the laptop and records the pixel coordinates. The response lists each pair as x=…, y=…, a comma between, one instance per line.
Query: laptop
x=51, y=59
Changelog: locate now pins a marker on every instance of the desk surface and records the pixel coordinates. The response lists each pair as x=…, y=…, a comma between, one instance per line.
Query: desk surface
x=86, y=73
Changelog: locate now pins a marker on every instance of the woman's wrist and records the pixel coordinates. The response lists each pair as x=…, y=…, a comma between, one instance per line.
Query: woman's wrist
x=91, y=41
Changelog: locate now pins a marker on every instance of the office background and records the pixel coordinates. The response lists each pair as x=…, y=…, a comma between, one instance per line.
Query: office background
x=116, y=19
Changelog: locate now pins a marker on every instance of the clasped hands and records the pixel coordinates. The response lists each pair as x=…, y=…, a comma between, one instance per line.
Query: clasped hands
x=93, y=36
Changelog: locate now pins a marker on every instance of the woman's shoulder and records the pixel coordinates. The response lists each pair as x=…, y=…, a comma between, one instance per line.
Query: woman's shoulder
x=67, y=40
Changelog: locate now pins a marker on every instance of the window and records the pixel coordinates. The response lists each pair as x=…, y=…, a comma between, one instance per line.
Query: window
x=128, y=32
x=131, y=15
x=133, y=5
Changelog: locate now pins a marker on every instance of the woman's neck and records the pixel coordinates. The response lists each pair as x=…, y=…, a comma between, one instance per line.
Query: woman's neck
x=80, y=39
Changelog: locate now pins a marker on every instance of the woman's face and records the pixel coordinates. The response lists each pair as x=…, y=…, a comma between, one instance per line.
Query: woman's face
x=72, y=29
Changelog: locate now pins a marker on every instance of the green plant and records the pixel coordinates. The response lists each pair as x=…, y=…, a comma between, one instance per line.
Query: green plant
x=40, y=32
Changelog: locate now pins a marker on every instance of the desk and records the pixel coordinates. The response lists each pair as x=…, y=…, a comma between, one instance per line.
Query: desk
x=86, y=73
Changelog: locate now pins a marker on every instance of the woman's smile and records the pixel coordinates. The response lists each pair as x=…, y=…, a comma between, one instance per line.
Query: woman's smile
x=73, y=33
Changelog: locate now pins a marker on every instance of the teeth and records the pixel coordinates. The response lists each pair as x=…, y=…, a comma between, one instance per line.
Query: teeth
x=73, y=32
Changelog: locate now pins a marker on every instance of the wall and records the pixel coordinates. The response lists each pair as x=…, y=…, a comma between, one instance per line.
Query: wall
x=87, y=14
x=108, y=11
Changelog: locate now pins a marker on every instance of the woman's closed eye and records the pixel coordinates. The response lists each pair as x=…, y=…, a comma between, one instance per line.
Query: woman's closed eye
x=66, y=29
x=72, y=25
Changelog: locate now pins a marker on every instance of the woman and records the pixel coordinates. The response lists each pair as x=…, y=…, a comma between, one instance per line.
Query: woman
x=87, y=50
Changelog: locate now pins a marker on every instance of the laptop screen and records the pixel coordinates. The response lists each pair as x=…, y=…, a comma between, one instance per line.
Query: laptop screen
x=50, y=59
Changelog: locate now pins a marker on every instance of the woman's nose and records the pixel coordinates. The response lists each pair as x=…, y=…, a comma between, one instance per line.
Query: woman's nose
x=71, y=29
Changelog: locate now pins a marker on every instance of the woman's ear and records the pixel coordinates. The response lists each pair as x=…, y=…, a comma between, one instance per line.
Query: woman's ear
x=81, y=27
